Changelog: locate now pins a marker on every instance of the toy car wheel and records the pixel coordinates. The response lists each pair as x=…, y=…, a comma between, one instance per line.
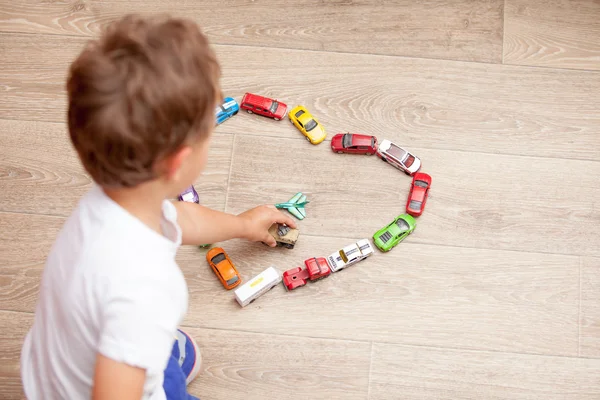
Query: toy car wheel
x=307, y=138
x=249, y=111
x=235, y=113
x=383, y=159
x=276, y=119
x=340, y=152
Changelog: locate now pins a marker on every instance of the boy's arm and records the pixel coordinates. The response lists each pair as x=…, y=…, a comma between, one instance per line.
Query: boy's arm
x=200, y=225
x=115, y=380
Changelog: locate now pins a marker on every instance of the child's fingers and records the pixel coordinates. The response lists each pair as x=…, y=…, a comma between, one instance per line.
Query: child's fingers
x=270, y=241
x=282, y=218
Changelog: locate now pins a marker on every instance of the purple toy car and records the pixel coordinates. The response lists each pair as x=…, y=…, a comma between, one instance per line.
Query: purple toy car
x=190, y=195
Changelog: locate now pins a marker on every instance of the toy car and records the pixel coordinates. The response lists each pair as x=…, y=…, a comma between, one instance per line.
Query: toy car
x=223, y=267
x=307, y=124
x=190, y=195
x=257, y=286
x=418, y=194
x=295, y=278
x=350, y=255
x=226, y=110
x=264, y=106
x=354, y=143
x=398, y=157
x=317, y=268
x=396, y=231
x=284, y=235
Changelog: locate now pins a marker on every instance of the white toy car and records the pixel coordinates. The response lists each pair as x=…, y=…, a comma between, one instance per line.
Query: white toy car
x=398, y=157
x=350, y=255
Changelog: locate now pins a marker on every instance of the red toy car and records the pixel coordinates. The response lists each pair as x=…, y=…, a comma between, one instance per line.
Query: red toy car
x=418, y=194
x=354, y=143
x=316, y=268
x=256, y=104
x=295, y=277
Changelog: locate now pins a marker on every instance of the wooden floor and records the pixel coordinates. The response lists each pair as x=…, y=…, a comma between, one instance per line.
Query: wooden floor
x=497, y=293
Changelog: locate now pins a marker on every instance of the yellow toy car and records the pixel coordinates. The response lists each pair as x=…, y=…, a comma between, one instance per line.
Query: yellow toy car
x=307, y=124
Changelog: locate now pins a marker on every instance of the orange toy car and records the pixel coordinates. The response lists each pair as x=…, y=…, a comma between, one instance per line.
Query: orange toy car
x=223, y=267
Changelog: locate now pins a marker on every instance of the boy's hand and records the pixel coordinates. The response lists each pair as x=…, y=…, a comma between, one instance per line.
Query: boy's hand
x=258, y=220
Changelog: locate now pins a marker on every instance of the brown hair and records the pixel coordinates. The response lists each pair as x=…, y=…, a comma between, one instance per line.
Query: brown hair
x=137, y=94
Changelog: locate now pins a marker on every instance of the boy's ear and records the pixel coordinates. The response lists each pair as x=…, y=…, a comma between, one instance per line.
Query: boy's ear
x=173, y=163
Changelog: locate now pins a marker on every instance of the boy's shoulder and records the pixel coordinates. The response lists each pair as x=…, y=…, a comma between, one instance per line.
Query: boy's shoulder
x=100, y=234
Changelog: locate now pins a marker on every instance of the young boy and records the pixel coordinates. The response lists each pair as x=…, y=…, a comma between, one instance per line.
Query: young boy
x=141, y=114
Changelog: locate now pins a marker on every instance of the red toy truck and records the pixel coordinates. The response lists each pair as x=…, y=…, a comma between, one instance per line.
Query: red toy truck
x=255, y=104
x=316, y=268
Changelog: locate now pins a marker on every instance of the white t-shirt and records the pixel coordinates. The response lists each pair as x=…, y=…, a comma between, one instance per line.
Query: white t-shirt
x=110, y=285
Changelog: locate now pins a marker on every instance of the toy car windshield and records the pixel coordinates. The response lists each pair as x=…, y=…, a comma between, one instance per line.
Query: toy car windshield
x=347, y=141
x=218, y=258
x=402, y=225
x=409, y=161
x=299, y=113
x=283, y=230
x=415, y=205
x=189, y=196
x=233, y=280
x=273, y=107
x=229, y=104
x=310, y=125
x=397, y=152
x=420, y=183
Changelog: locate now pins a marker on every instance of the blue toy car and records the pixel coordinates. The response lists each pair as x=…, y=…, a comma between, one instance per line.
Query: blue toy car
x=226, y=110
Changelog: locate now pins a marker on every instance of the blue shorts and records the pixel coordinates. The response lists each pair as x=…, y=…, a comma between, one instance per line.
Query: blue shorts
x=174, y=383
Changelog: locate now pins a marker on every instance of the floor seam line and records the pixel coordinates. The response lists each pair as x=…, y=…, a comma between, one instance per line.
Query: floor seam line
x=230, y=169
x=370, y=371
x=579, y=314
x=421, y=346
x=503, y=31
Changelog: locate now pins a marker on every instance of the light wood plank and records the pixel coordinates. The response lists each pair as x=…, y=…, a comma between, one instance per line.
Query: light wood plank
x=590, y=307
x=459, y=30
x=249, y=366
x=25, y=241
x=246, y=366
x=14, y=328
x=554, y=33
x=426, y=103
x=437, y=374
x=416, y=294
x=476, y=200
x=40, y=172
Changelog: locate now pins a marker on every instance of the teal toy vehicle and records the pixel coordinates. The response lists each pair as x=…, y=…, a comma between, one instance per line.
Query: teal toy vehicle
x=395, y=232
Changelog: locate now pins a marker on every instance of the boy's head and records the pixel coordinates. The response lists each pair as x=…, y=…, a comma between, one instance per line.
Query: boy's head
x=142, y=101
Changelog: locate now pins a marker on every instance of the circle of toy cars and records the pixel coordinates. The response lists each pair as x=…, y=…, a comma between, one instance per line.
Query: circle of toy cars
x=316, y=268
